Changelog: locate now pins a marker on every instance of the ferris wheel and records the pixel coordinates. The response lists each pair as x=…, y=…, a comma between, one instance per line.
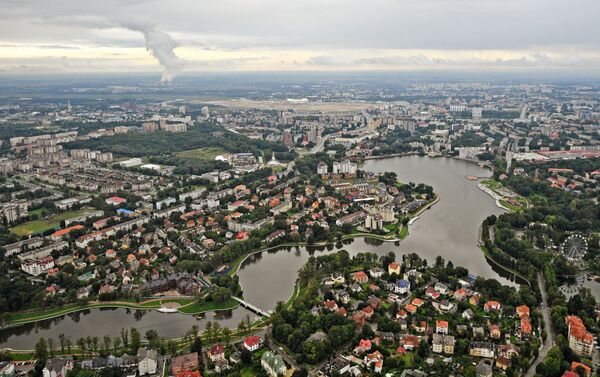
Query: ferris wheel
x=574, y=247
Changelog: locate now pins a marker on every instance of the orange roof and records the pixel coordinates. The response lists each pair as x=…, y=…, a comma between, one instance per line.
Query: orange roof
x=360, y=275
x=187, y=373
x=62, y=232
x=417, y=301
x=575, y=365
x=577, y=329
x=440, y=323
x=522, y=310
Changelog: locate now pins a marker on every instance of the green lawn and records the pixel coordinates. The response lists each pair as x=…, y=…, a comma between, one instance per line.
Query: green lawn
x=41, y=314
x=42, y=225
x=247, y=372
x=37, y=212
x=197, y=308
x=493, y=184
x=403, y=232
x=207, y=154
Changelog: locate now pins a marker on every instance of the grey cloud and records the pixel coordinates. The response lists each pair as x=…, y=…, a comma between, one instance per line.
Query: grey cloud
x=536, y=60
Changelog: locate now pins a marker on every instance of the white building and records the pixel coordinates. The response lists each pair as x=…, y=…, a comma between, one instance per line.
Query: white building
x=147, y=361
x=345, y=167
x=56, y=367
x=37, y=267
x=131, y=162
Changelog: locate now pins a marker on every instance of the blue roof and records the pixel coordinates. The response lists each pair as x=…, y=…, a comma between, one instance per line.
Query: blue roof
x=403, y=283
x=125, y=211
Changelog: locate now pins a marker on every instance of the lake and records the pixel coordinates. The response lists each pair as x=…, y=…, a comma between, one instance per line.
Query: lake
x=448, y=229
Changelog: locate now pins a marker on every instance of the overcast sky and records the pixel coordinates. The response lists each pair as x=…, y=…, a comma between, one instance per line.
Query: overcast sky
x=179, y=36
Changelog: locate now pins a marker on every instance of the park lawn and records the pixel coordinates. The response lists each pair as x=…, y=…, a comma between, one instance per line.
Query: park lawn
x=197, y=308
x=36, y=212
x=207, y=154
x=21, y=356
x=403, y=232
x=42, y=225
x=247, y=372
x=492, y=184
x=160, y=302
x=513, y=208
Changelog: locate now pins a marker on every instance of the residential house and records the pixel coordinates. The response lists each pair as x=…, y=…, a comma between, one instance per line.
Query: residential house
x=495, y=332
x=482, y=349
x=57, y=367
x=491, y=306
x=402, y=286
x=216, y=352
x=443, y=344
x=252, y=343
x=484, y=368
x=363, y=346
x=273, y=364
x=441, y=327
x=147, y=361
x=394, y=268
x=580, y=340
x=187, y=362
x=360, y=277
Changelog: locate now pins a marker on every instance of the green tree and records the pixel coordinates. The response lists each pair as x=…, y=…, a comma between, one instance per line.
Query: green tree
x=41, y=350
x=136, y=340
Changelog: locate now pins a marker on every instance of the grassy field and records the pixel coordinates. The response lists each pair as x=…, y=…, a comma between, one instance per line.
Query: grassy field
x=42, y=225
x=197, y=308
x=496, y=187
x=493, y=184
x=403, y=232
x=41, y=314
x=36, y=212
x=207, y=154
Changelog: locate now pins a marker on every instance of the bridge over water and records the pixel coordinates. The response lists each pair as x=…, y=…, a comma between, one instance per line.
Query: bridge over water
x=251, y=307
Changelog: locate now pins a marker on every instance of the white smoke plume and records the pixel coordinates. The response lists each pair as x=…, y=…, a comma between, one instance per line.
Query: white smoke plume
x=162, y=47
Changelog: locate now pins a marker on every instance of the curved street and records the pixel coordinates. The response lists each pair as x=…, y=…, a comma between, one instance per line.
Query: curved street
x=550, y=338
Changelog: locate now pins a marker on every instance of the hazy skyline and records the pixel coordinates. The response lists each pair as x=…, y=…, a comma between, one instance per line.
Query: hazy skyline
x=268, y=35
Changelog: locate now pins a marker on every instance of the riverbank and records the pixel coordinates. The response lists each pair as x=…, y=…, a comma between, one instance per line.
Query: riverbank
x=186, y=305
x=491, y=259
x=238, y=262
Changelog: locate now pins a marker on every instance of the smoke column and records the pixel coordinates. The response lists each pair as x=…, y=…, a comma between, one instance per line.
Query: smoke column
x=162, y=47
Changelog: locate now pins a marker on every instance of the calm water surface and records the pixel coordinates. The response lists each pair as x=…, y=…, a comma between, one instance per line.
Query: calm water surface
x=448, y=229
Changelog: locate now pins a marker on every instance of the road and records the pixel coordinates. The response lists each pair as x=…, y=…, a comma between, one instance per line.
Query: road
x=288, y=359
x=550, y=338
x=320, y=144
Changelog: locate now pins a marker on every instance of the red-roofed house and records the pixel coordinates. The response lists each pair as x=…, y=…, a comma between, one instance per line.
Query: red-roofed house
x=360, y=277
x=441, y=327
x=363, y=346
x=586, y=369
x=189, y=373
x=495, y=332
x=522, y=310
x=491, y=305
x=252, y=343
x=525, y=328
x=368, y=312
x=60, y=234
x=216, y=352
x=580, y=340
x=115, y=200
x=410, y=308
x=394, y=268
x=331, y=305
